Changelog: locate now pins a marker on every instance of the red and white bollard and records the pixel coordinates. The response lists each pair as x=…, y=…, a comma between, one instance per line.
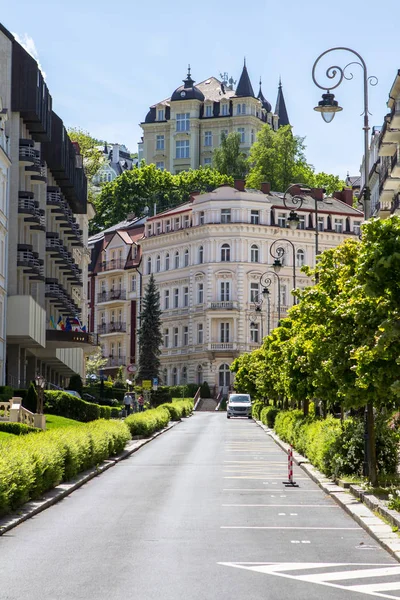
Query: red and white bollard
x=290, y=468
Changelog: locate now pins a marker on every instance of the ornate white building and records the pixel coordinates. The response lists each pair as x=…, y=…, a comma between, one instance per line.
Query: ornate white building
x=207, y=257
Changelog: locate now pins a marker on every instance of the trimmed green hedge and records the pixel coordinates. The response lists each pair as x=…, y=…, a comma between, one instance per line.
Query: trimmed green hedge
x=148, y=422
x=335, y=449
x=178, y=409
x=17, y=428
x=256, y=409
x=30, y=465
x=65, y=405
x=268, y=415
x=187, y=406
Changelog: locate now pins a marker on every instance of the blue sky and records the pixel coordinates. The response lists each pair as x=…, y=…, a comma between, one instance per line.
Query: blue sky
x=107, y=62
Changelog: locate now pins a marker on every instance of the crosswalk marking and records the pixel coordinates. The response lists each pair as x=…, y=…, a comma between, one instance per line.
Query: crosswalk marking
x=344, y=575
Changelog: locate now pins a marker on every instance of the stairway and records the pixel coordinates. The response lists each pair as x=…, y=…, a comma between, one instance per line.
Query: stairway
x=207, y=405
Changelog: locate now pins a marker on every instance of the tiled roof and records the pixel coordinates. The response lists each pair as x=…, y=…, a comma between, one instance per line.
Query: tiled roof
x=244, y=88
x=212, y=89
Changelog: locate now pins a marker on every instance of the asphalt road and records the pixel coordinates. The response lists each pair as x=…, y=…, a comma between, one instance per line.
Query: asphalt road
x=200, y=513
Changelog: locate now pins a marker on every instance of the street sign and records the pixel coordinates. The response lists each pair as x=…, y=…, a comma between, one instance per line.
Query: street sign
x=146, y=384
x=155, y=380
x=131, y=368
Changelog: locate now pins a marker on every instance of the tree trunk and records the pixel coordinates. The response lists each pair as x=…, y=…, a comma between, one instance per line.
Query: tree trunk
x=372, y=466
x=306, y=404
x=324, y=411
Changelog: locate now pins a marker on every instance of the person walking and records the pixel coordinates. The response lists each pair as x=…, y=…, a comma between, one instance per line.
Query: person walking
x=141, y=403
x=128, y=403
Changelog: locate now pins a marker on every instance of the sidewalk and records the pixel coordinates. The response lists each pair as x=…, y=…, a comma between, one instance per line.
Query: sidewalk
x=30, y=509
x=359, y=504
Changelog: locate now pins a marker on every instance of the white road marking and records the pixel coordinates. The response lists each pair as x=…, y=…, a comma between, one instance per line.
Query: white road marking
x=251, y=477
x=286, y=505
x=376, y=589
x=263, y=490
x=290, y=528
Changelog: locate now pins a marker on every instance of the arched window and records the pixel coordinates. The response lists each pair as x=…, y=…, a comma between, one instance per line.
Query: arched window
x=148, y=266
x=255, y=254
x=167, y=261
x=184, y=375
x=186, y=258
x=225, y=253
x=300, y=258
x=174, y=376
x=201, y=254
x=158, y=264
x=199, y=375
x=176, y=260
x=224, y=376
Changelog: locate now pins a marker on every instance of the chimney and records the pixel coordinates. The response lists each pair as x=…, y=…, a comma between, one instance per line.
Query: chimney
x=346, y=195
x=239, y=185
x=193, y=194
x=115, y=153
x=317, y=193
x=266, y=187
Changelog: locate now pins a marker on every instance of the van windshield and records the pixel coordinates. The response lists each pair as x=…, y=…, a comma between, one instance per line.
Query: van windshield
x=239, y=399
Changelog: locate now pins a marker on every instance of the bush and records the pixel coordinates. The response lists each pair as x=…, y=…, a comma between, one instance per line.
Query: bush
x=161, y=396
x=175, y=411
x=268, y=415
x=75, y=383
x=31, y=398
x=148, y=422
x=66, y=405
x=17, y=428
x=6, y=392
x=30, y=465
x=256, y=409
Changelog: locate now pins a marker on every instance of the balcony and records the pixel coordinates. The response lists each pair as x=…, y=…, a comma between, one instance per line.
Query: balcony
x=27, y=152
x=223, y=305
x=222, y=346
x=395, y=165
x=30, y=262
x=70, y=339
x=111, y=296
x=37, y=170
x=112, y=265
x=63, y=258
x=59, y=206
x=113, y=327
x=388, y=141
x=115, y=361
x=394, y=118
x=60, y=298
x=26, y=321
x=29, y=207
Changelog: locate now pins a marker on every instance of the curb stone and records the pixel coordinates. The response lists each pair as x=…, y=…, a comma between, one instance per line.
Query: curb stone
x=358, y=503
x=34, y=507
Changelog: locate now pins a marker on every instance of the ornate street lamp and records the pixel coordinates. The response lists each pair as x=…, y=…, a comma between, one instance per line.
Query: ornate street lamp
x=278, y=254
x=266, y=282
x=40, y=383
x=328, y=106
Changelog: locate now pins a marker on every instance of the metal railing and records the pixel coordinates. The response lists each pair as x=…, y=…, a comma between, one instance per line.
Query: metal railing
x=111, y=295
x=116, y=361
x=224, y=305
x=111, y=265
x=112, y=327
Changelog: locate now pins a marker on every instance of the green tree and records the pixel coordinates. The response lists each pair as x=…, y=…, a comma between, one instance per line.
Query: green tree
x=92, y=157
x=75, y=383
x=228, y=159
x=150, y=337
x=95, y=363
x=145, y=186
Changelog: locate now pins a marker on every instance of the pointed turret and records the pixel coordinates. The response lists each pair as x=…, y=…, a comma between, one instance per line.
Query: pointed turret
x=263, y=100
x=244, y=87
x=280, y=108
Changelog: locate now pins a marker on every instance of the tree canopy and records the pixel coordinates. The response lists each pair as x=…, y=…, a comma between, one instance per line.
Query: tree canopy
x=145, y=186
x=228, y=159
x=341, y=342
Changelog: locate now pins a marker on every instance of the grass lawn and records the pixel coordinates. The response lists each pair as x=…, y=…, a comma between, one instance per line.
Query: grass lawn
x=54, y=422
x=4, y=436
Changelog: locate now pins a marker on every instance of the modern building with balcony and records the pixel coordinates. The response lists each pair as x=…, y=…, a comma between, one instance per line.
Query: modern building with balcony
x=5, y=164
x=182, y=131
x=207, y=257
x=115, y=281
x=47, y=255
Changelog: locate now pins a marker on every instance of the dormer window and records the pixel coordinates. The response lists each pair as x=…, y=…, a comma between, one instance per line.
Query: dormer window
x=160, y=114
x=168, y=226
x=241, y=109
x=224, y=109
x=208, y=110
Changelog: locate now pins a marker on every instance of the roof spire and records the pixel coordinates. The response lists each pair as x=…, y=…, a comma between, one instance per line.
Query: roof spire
x=280, y=108
x=244, y=87
x=265, y=104
x=188, y=81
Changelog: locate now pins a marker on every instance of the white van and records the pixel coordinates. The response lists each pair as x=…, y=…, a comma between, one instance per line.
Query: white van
x=238, y=405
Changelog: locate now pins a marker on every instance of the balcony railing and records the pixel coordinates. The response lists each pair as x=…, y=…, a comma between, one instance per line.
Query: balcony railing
x=63, y=258
x=111, y=296
x=223, y=305
x=112, y=265
x=65, y=215
x=113, y=327
x=222, y=346
x=28, y=206
x=27, y=152
x=61, y=298
x=116, y=361
x=30, y=262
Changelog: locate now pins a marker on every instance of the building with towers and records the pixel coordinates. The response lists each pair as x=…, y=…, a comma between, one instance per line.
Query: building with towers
x=182, y=131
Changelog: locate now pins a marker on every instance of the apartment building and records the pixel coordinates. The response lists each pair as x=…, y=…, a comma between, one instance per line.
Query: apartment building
x=5, y=164
x=114, y=293
x=182, y=131
x=47, y=256
x=208, y=256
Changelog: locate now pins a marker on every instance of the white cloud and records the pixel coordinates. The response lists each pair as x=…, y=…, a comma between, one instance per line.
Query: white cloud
x=27, y=42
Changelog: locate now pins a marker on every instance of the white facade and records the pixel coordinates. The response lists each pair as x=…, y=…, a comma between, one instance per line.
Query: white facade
x=5, y=165
x=207, y=258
